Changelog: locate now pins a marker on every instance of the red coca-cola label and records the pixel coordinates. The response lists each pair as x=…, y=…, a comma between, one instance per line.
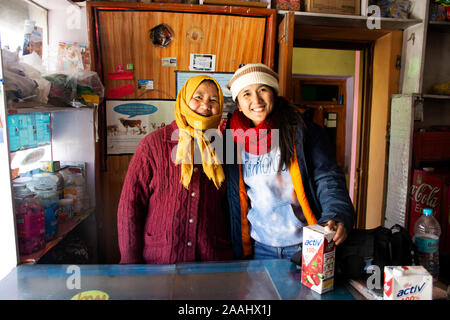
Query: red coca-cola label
x=425, y=192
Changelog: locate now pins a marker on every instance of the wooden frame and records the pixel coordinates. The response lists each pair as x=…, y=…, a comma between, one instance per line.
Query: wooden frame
x=382, y=49
x=111, y=169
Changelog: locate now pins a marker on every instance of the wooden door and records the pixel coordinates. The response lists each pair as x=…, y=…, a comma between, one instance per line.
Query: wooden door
x=285, y=47
x=119, y=35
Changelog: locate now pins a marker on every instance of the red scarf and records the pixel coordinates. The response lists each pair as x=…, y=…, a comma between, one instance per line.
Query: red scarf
x=255, y=140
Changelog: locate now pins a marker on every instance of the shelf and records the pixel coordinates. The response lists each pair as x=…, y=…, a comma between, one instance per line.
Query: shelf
x=349, y=21
x=63, y=230
x=436, y=96
x=31, y=107
x=439, y=26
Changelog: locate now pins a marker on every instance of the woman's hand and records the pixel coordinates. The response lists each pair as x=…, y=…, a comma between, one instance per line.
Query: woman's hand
x=341, y=232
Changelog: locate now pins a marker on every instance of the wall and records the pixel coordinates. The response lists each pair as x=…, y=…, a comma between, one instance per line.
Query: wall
x=323, y=61
x=66, y=23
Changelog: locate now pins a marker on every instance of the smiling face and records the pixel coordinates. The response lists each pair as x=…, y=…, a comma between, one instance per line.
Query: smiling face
x=205, y=100
x=256, y=102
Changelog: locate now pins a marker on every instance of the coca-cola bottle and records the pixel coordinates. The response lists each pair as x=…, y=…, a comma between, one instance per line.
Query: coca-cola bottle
x=426, y=239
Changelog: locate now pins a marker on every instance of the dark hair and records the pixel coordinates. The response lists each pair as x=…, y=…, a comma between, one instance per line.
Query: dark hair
x=286, y=117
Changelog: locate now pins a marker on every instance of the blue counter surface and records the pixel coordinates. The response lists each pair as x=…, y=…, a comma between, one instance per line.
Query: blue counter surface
x=237, y=280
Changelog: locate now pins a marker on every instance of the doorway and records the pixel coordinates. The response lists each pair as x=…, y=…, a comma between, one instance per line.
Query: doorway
x=330, y=101
x=380, y=52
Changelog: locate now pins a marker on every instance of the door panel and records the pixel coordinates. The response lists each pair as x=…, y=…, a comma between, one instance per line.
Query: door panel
x=125, y=39
x=285, y=46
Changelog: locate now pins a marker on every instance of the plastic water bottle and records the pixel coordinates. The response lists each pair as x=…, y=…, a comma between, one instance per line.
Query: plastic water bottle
x=426, y=238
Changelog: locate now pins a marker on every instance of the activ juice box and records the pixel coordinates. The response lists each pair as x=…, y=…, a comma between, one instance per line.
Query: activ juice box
x=407, y=283
x=318, y=255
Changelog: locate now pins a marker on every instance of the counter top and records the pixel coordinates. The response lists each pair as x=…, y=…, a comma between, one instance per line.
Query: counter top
x=237, y=280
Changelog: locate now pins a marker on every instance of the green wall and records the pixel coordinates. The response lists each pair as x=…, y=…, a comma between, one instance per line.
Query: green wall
x=323, y=62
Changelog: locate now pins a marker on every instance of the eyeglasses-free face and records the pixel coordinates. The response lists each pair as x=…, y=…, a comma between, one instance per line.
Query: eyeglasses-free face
x=205, y=100
x=256, y=102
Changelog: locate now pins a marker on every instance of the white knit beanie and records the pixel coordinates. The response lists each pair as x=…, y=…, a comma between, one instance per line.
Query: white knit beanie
x=252, y=74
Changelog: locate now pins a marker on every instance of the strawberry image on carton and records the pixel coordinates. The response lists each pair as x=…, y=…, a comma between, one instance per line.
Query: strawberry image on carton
x=318, y=255
x=407, y=283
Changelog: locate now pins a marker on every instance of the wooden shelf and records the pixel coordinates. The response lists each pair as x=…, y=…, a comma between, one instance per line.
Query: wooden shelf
x=63, y=230
x=349, y=21
x=439, y=26
x=436, y=96
x=239, y=3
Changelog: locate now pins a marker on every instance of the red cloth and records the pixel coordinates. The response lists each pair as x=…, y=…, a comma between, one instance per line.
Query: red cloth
x=155, y=210
x=256, y=140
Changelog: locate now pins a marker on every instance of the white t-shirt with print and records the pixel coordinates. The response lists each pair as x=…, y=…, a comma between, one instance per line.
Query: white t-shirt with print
x=271, y=216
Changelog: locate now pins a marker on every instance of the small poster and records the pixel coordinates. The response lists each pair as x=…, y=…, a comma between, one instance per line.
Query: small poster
x=202, y=62
x=131, y=120
x=28, y=130
x=223, y=78
x=32, y=39
x=73, y=57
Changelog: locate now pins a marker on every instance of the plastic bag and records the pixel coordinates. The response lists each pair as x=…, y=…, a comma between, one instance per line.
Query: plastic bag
x=32, y=67
x=18, y=86
x=79, y=89
x=399, y=9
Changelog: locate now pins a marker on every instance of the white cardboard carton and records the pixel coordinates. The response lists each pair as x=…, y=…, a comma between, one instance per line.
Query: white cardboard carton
x=318, y=255
x=407, y=283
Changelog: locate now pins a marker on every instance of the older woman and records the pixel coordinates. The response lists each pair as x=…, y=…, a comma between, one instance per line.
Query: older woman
x=286, y=176
x=173, y=209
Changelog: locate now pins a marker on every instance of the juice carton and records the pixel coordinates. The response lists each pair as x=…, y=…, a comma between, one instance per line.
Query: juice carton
x=407, y=283
x=318, y=255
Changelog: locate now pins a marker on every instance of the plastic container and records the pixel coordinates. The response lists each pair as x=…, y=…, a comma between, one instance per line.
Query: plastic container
x=65, y=210
x=30, y=219
x=426, y=239
x=49, y=197
x=75, y=189
x=54, y=179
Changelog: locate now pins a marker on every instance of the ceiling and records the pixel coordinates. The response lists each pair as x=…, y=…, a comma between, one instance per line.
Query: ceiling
x=57, y=4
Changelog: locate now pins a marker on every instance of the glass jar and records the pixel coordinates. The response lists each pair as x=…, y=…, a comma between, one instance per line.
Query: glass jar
x=54, y=179
x=47, y=194
x=30, y=219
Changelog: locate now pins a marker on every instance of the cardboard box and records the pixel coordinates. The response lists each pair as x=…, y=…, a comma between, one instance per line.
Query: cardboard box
x=407, y=283
x=348, y=7
x=318, y=255
x=50, y=166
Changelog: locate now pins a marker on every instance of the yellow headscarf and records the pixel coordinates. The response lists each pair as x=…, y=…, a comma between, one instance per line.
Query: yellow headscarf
x=192, y=126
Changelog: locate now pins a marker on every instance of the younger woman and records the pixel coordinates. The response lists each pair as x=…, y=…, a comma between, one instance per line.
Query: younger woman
x=286, y=176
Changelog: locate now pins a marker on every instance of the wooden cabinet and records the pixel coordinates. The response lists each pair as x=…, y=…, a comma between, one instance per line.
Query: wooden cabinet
x=119, y=35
